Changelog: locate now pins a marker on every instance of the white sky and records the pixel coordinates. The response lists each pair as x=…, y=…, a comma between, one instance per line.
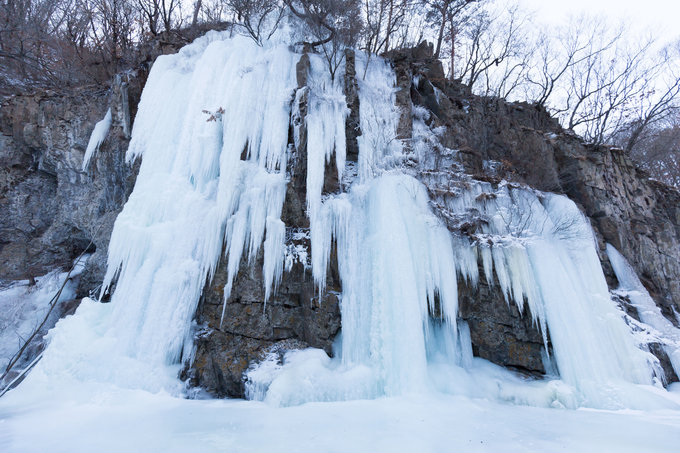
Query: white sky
x=661, y=17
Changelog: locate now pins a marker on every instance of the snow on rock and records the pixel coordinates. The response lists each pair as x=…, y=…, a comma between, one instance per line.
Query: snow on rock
x=650, y=314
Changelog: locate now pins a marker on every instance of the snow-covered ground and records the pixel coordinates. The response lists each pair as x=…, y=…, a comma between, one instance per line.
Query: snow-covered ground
x=135, y=421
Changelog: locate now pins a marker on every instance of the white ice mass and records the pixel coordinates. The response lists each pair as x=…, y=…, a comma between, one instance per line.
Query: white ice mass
x=212, y=136
x=99, y=133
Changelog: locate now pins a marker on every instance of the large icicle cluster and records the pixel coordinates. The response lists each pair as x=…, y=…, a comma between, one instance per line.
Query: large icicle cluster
x=212, y=132
x=399, y=264
x=213, y=172
x=541, y=251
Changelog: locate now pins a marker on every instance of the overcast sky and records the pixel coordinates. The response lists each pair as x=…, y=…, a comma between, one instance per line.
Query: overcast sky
x=662, y=17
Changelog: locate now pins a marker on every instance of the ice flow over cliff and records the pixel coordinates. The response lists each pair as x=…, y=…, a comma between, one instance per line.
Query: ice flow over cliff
x=212, y=135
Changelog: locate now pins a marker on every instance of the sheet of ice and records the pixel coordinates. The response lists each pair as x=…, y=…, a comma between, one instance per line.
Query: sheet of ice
x=394, y=257
x=395, y=260
x=23, y=307
x=122, y=421
x=27, y=312
x=631, y=287
x=99, y=133
x=379, y=149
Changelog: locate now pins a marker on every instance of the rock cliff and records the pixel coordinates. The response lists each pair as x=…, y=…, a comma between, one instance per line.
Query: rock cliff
x=52, y=210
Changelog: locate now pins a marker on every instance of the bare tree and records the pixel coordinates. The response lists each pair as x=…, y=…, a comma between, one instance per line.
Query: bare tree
x=492, y=40
x=443, y=13
x=661, y=100
x=213, y=11
x=171, y=13
x=259, y=18
x=198, y=4
x=602, y=88
x=333, y=25
x=658, y=151
x=385, y=20
x=559, y=53
x=150, y=10
x=111, y=30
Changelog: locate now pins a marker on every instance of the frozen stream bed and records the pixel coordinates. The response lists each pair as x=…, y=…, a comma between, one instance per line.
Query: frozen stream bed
x=132, y=421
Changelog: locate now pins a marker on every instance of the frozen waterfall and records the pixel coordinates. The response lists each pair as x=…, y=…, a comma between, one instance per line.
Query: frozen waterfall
x=212, y=132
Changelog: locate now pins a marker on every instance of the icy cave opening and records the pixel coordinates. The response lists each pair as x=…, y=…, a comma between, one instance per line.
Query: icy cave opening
x=212, y=132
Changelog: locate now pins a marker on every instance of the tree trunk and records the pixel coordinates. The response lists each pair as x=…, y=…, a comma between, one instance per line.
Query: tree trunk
x=452, y=36
x=197, y=9
x=440, y=35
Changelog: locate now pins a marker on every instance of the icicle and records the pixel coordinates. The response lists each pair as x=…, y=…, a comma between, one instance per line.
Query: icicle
x=99, y=133
x=273, y=255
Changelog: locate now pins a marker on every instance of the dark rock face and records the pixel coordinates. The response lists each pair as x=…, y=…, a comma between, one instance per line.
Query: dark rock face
x=499, y=332
x=52, y=210
x=352, y=124
x=638, y=216
x=295, y=312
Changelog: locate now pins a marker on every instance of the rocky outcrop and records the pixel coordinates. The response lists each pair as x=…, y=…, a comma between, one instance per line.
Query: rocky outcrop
x=225, y=350
x=52, y=209
x=498, y=331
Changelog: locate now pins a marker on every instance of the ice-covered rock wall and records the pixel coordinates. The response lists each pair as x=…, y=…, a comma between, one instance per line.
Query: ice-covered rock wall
x=215, y=136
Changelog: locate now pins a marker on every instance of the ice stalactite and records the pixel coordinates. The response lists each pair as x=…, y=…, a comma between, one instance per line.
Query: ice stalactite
x=325, y=144
x=99, y=133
